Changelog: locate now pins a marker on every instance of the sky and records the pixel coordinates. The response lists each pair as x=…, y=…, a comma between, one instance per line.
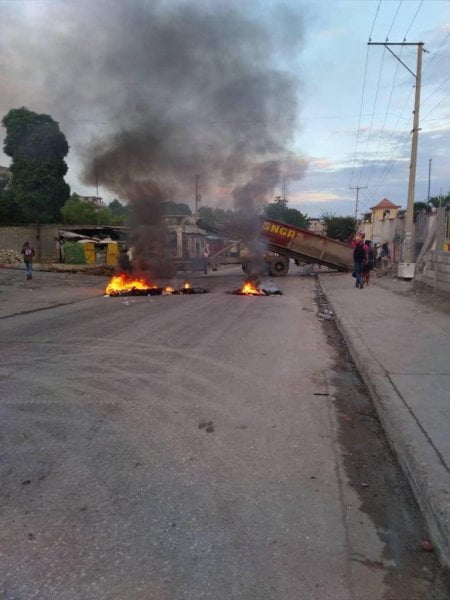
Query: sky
x=353, y=101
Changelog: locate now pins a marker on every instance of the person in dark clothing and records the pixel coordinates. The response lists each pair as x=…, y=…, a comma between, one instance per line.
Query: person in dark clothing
x=28, y=255
x=359, y=259
x=123, y=262
x=370, y=262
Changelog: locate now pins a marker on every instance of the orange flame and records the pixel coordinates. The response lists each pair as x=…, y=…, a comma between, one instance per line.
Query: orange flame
x=126, y=283
x=187, y=285
x=169, y=290
x=250, y=289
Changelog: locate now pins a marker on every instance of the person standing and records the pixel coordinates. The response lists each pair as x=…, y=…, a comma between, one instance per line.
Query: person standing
x=28, y=255
x=359, y=260
x=205, y=259
x=370, y=261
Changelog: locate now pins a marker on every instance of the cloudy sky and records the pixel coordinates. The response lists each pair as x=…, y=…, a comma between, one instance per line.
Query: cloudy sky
x=54, y=55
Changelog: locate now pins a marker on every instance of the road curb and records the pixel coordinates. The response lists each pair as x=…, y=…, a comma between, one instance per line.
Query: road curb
x=428, y=476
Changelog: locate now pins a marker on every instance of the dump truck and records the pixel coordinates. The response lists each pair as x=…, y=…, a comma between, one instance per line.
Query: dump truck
x=284, y=242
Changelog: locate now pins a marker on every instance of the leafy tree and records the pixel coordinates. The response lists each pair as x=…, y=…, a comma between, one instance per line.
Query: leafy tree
x=5, y=178
x=420, y=206
x=279, y=211
x=117, y=209
x=176, y=208
x=37, y=148
x=10, y=212
x=339, y=228
x=79, y=212
x=437, y=201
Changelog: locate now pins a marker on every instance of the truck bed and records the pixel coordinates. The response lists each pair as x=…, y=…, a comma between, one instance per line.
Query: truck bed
x=304, y=245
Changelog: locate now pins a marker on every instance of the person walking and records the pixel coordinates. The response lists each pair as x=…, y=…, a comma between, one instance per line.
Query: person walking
x=359, y=259
x=205, y=259
x=28, y=255
x=370, y=261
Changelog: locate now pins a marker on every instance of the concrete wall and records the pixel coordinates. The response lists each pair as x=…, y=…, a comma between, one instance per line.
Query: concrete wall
x=42, y=238
x=434, y=268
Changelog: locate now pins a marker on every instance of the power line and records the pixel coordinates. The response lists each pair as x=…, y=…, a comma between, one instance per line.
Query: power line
x=385, y=119
x=393, y=20
x=435, y=106
x=436, y=89
x=436, y=53
x=363, y=92
x=374, y=20
x=373, y=115
x=358, y=133
x=413, y=19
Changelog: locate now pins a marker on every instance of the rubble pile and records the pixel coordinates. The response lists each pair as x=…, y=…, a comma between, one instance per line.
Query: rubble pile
x=9, y=257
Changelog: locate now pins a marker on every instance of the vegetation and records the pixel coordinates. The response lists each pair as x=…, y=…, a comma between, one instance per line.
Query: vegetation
x=339, y=228
x=37, y=190
x=279, y=211
x=77, y=211
x=176, y=208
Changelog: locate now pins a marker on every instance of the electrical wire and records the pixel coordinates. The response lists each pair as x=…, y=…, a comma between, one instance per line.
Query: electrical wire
x=413, y=19
x=373, y=159
x=393, y=20
x=358, y=133
x=435, y=90
x=435, y=107
x=374, y=20
x=435, y=53
x=370, y=193
x=373, y=115
x=390, y=98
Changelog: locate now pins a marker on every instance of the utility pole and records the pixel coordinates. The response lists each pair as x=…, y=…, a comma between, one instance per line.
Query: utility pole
x=284, y=190
x=357, y=188
x=198, y=196
x=407, y=266
x=429, y=180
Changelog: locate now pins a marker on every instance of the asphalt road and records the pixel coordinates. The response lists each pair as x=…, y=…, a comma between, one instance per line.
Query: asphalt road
x=189, y=447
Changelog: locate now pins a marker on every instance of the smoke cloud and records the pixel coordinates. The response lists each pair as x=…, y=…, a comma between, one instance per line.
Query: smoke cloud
x=165, y=90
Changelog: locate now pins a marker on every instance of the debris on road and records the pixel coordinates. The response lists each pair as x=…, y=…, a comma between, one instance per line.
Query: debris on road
x=9, y=257
x=251, y=288
x=208, y=426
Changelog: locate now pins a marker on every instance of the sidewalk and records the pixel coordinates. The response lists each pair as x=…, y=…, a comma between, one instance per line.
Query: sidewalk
x=401, y=346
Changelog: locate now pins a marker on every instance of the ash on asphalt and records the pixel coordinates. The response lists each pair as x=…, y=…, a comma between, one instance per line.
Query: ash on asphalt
x=372, y=469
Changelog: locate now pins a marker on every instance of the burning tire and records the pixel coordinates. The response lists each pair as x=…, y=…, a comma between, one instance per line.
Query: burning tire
x=279, y=266
x=254, y=267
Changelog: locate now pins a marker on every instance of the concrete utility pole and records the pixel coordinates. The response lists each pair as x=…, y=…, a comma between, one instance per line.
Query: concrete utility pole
x=285, y=190
x=198, y=196
x=357, y=188
x=429, y=180
x=407, y=266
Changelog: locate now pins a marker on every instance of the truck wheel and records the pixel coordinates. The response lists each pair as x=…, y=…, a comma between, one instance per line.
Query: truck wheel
x=279, y=267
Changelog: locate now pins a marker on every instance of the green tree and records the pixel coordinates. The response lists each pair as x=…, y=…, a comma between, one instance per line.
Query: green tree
x=279, y=211
x=437, y=201
x=339, y=228
x=176, y=208
x=118, y=209
x=420, y=206
x=37, y=148
x=79, y=212
x=5, y=178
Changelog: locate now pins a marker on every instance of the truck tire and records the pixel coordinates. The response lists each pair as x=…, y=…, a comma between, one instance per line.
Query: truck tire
x=279, y=266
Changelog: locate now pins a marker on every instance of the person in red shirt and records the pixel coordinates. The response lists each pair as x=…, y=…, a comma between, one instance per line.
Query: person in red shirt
x=28, y=255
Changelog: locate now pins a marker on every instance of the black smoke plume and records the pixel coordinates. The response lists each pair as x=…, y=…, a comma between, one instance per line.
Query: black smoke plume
x=170, y=89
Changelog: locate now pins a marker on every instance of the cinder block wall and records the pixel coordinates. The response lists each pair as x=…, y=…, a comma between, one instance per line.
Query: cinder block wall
x=43, y=240
x=435, y=270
